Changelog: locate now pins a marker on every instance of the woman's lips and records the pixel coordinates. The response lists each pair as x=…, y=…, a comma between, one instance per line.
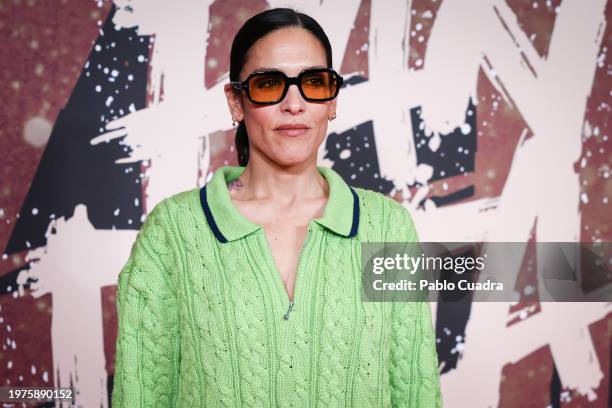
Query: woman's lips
x=292, y=131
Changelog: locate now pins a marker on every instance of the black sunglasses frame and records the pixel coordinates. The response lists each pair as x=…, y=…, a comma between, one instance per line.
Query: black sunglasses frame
x=244, y=85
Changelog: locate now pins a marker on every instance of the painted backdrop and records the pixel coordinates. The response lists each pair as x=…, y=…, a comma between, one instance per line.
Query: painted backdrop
x=488, y=119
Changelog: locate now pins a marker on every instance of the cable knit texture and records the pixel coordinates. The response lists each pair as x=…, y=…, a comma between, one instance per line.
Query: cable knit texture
x=201, y=322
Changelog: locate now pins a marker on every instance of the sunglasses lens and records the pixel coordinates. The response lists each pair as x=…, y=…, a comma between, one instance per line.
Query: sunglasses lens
x=319, y=85
x=266, y=87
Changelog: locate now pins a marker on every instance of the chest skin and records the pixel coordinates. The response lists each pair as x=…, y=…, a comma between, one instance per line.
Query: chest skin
x=285, y=228
x=285, y=243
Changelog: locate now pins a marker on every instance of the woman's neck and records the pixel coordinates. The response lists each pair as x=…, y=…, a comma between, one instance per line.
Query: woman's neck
x=264, y=180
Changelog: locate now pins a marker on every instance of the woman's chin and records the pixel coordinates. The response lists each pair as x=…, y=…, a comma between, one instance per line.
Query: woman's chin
x=287, y=160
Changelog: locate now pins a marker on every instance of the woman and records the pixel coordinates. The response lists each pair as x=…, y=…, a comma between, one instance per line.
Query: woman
x=247, y=292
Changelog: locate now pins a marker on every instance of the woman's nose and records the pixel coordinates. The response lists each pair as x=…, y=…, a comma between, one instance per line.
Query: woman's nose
x=293, y=101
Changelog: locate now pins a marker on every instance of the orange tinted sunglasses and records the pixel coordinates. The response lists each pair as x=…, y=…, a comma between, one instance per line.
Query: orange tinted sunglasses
x=270, y=87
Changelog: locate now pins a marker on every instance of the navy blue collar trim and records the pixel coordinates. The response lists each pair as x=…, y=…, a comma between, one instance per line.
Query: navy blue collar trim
x=209, y=217
x=355, y=225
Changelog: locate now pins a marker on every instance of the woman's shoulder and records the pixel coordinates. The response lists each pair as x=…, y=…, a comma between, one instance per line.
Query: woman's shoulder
x=384, y=219
x=186, y=202
x=375, y=203
x=179, y=209
x=175, y=220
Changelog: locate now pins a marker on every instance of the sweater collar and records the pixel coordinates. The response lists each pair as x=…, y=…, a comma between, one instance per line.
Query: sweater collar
x=341, y=214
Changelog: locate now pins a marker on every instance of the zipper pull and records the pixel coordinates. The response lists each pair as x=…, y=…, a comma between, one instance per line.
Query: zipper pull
x=289, y=310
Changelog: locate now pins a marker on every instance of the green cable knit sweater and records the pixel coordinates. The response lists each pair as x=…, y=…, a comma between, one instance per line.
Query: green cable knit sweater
x=205, y=319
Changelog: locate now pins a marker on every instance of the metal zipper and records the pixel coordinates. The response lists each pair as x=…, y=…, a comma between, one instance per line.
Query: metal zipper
x=292, y=302
x=289, y=310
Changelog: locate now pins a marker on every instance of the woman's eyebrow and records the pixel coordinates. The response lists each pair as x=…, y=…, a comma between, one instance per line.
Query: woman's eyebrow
x=264, y=69
x=269, y=69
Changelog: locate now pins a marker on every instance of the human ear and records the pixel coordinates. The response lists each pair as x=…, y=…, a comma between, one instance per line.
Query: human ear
x=332, y=109
x=233, y=102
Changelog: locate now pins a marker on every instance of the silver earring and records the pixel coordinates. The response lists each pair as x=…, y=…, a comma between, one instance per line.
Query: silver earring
x=233, y=122
x=333, y=117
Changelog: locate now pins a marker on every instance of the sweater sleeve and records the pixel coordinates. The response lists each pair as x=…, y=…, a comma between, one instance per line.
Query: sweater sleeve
x=414, y=377
x=147, y=346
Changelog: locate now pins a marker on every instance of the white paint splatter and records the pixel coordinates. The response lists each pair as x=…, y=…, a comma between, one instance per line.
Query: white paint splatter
x=37, y=130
